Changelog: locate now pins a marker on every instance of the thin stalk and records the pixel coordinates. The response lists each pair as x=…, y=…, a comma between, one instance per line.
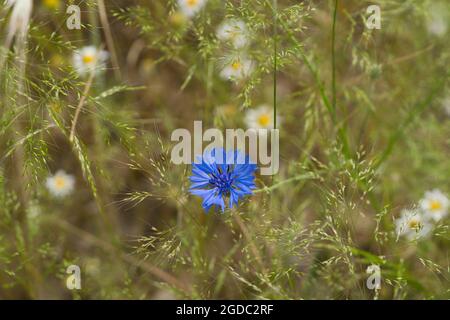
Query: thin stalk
x=333, y=58
x=109, y=38
x=250, y=237
x=81, y=103
x=307, y=176
x=415, y=111
x=342, y=131
x=275, y=62
x=314, y=72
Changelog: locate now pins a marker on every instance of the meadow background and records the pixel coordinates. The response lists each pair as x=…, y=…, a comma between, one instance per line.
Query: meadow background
x=364, y=133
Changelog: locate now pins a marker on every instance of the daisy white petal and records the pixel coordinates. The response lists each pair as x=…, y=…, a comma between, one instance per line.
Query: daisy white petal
x=191, y=7
x=237, y=68
x=261, y=118
x=412, y=225
x=89, y=59
x=60, y=184
x=435, y=204
x=233, y=31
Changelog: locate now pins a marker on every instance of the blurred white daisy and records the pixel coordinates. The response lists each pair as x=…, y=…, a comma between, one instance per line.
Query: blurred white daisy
x=191, y=7
x=34, y=210
x=234, y=31
x=412, y=225
x=61, y=184
x=89, y=59
x=237, y=68
x=92, y=266
x=260, y=118
x=437, y=20
x=435, y=204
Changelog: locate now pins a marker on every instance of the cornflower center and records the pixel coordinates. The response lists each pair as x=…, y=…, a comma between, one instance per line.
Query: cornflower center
x=223, y=181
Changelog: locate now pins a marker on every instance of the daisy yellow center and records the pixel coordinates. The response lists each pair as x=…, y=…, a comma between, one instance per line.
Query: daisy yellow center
x=60, y=182
x=236, y=65
x=192, y=3
x=414, y=224
x=51, y=3
x=233, y=33
x=435, y=205
x=88, y=59
x=264, y=120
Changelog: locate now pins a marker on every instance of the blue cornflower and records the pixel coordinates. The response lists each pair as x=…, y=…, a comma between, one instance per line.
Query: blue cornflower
x=222, y=175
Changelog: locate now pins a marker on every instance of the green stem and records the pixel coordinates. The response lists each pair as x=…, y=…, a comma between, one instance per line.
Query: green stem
x=333, y=59
x=342, y=130
x=275, y=58
x=314, y=72
x=307, y=176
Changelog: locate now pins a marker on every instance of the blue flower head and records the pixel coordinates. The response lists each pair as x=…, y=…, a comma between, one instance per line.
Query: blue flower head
x=221, y=177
